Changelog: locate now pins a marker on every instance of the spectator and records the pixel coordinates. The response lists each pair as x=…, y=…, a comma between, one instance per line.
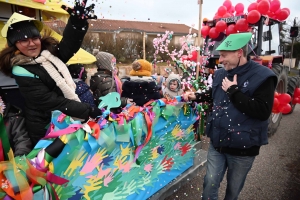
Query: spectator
x=141, y=87
x=105, y=80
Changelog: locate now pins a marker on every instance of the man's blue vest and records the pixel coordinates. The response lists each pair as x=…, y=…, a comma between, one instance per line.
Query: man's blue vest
x=226, y=125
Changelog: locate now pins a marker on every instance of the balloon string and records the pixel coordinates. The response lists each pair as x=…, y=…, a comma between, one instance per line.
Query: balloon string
x=252, y=50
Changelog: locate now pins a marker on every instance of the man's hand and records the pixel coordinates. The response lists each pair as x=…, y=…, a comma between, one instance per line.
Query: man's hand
x=227, y=83
x=188, y=96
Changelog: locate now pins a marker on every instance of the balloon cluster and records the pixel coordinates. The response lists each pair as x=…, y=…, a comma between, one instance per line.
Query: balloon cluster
x=268, y=8
x=282, y=103
x=296, y=96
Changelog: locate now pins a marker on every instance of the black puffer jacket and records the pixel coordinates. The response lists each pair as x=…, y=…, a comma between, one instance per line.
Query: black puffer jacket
x=101, y=84
x=16, y=130
x=41, y=94
x=141, y=90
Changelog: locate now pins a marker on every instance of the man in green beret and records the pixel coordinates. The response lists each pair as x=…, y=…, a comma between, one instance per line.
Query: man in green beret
x=242, y=94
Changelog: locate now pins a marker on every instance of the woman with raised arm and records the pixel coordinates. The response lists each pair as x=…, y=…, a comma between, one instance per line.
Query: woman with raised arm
x=38, y=65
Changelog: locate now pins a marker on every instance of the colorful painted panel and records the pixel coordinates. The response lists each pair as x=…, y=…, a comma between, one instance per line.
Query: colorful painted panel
x=127, y=156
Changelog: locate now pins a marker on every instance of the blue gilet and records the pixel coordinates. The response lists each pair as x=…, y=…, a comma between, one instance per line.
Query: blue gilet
x=226, y=125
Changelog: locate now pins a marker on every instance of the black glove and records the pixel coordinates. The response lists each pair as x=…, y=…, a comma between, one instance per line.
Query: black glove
x=95, y=112
x=79, y=14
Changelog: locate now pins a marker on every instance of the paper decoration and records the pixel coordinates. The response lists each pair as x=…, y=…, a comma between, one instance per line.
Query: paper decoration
x=110, y=166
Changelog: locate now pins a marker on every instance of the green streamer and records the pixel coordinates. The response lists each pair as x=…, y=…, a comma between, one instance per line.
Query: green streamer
x=4, y=138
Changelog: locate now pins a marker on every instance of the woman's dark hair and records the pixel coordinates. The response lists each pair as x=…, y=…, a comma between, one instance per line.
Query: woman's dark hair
x=47, y=43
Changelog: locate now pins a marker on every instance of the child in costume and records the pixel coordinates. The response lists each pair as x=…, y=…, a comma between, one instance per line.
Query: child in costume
x=105, y=80
x=173, y=86
x=15, y=127
x=79, y=76
x=141, y=87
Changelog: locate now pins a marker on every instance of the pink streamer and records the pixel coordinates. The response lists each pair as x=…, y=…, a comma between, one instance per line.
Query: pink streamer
x=61, y=117
x=71, y=129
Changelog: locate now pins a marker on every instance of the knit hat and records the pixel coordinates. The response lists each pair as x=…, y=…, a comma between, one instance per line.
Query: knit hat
x=20, y=27
x=141, y=67
x=104, y=60
x=21, y=31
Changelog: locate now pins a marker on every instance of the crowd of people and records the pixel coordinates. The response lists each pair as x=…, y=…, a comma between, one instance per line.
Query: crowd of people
x=37, y=63
x=242, y=94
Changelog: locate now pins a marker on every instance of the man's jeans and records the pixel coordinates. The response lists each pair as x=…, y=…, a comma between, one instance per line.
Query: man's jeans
x=217, y=164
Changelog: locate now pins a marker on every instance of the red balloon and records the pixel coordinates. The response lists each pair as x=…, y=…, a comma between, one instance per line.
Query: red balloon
x=296, y=100
x=194, y=56
x=276, y=103
x=284, y=98
x=231, y=10
x=221, y=26
x=271, y=14
x=287, y=10
x=227, y=15
x=239, y=14
x=205, y=31
x=252, y=6
x=282, y=15
x=227, y=4
x=258, y=1
x=276, y=95
x=297, y=92
x=278, y=11
x=241, y=25
x=239, y=8
x=253, y=16
x=184, y=57
x=275, y=5
x=285, y=109
x=230, y=29
x=275, y=110
x=222, y=10
x=263, y=7
x=213, y=33
x=217, y=17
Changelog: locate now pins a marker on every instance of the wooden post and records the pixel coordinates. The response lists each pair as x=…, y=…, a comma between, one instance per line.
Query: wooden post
x=144, y=45
x=199, y=38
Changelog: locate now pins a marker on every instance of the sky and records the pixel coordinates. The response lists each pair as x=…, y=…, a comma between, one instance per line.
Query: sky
x=170, y=11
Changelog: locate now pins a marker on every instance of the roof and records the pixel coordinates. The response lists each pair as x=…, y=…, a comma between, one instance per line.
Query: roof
x=109, y=25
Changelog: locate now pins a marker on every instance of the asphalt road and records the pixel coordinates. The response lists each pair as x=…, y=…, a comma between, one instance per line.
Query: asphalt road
x=275, y=174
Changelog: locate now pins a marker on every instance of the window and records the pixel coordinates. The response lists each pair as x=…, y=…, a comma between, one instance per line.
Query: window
x=30, y=12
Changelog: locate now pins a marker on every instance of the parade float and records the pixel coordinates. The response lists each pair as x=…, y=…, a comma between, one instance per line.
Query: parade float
x=131, y=155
